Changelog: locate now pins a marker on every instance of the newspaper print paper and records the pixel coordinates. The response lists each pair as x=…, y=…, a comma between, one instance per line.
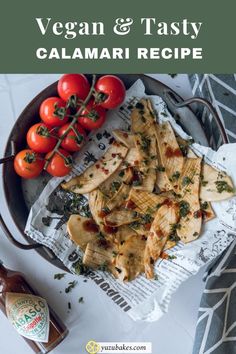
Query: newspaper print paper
x=142, y=299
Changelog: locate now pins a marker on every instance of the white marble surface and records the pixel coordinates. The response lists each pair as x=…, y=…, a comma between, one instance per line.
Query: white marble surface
x=97, y=318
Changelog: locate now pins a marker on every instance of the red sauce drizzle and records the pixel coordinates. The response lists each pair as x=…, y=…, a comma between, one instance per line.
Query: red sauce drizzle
x=173, y=152
x=167, y=202
x=197, y=214
x=105, y=170
x=164, y=255
x=147, y=226
x=103, y=213
x=130, y=205
x=159, y=233
x=89, y=225
x=110, y=229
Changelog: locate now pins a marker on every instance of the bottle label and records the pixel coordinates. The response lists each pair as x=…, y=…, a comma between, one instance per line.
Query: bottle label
x=29, y=314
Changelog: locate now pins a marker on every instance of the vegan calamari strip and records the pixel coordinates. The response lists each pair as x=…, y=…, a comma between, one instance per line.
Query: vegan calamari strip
x=82, y=230
x=129, y=261
x=100, y=256
x=171, y=157
x=119, y=197
x=142, y=116
x=144, y=202
x=124, y=137
x=99, y=172
x=215, y=185
x=166, y=217
x=190, y=210
x=121, y=216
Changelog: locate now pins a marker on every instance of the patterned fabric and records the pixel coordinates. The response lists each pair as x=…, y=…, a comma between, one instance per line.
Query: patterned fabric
x=221, y=91
x=216, y=326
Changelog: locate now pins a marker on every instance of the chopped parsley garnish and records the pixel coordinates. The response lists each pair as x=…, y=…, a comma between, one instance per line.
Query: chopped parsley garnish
x=103, y=267
x=106, y=210
x=59, y=276
x=184, y=208
x=175, y=176
x=71, y=285
x=161, y=168
x=145, y=143
x=175, y=227
x=223, y=186
x=171, y=257
x=164, y=114
x=137, y=183
x=69, y=305
x=121, y=174
x=174, y=237
x=135, y=225
x=147, y=218
x=81, y=300
x=204, y=205
x=80, y=268
x=186, y=181
x=115, y=186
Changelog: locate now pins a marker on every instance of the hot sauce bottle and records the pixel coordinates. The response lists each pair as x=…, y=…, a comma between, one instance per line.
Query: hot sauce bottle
x=29, y=313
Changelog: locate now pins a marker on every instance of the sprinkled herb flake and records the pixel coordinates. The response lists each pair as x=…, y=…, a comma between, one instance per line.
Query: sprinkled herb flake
x=186, y=181
x=81, y=300
x=223, y=186
x=103, y=267
x=170, y=257
x=161, y=168
x=145, y=143
x=175, y=176
x=115, y=186
x=69, y=306
x=121, y=174
x=137, y=183
x=204, y=205
x=174, y=237
x=184, y=208
x=71, y=285
x=135, y=225
x=59, y=276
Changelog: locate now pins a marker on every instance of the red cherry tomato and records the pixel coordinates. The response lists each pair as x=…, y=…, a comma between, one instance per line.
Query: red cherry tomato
x=59, y=166
x=28, y=164
x=92, y=117
x=73, y=84
x=53, y=112
x=74, y=139
x=39, y=138
x=111, y=91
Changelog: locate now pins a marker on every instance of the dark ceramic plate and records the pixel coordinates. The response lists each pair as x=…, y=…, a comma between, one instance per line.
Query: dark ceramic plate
x=28, y=191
